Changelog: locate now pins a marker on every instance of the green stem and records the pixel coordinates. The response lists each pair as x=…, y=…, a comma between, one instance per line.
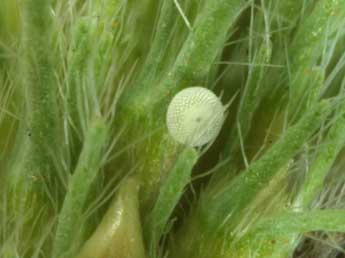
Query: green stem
x=152, y=68
x=38, y=145
x=328, y=152
x=41, y=87
x=307, y=47
x=78, y=62
x=70, y=217
x=196, y=56
x=276, y=236
x=301, y=222
x=243, y=189
x=32, y=177
x=170, y=194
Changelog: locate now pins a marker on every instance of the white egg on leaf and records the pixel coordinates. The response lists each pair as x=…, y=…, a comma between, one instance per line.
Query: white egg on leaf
x=195, y=116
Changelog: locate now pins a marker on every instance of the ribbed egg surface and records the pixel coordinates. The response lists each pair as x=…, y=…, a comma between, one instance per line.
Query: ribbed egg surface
x=195, y=116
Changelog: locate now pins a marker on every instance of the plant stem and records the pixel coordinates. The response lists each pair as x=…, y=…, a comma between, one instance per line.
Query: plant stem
x=301, y=222
x=328, y=152
x=170, y=194
x=70, y=217
x=39, y=137
x=196, y=56
x=306, y=48
x=239, y=193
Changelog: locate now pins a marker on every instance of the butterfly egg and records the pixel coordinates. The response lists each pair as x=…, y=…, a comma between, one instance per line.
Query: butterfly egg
x=195, y=116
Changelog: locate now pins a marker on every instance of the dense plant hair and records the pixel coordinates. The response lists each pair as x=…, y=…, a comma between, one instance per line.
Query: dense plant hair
x=108, y=148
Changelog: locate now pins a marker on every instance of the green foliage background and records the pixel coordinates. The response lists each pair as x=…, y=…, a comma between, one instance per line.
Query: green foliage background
x=88, y=169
